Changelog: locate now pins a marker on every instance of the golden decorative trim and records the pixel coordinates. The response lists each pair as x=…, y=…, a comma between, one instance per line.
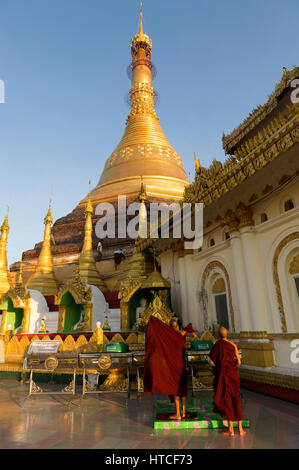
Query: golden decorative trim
x=270, y=378
x=258, y=114
x=158, y=310
x=51, y=363
x=219, y=286
x=282, y=244
x=105, y=362
x=212, y=183
x=294, y=267
x=217, y=264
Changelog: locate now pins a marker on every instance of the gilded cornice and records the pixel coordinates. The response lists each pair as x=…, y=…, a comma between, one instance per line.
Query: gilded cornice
x=212, y=183
x=270, y=378
x=231, y=140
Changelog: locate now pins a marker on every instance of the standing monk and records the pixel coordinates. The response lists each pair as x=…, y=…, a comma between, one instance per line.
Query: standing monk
x=164, y=365
x=187, y=331
x=227, y=398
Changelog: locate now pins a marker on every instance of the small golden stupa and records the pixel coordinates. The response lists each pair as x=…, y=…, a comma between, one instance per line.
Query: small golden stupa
x=43, y=278
x=4, y=282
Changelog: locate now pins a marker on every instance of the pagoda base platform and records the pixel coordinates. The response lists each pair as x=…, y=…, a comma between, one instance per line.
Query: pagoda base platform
x=199, y=415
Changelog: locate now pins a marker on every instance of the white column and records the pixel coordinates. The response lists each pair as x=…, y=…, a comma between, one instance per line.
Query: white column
x=255, y=281
x=244, y=312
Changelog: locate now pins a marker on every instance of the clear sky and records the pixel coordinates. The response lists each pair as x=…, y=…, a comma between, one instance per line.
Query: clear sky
x=64, y=67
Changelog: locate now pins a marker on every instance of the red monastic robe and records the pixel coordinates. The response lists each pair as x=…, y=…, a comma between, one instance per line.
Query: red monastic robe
x=227, y=398
x=164, y=365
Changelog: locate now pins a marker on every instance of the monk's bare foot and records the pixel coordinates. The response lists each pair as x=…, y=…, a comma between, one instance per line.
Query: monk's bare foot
x=242, y=432
x=228, y=433
x=177, y=418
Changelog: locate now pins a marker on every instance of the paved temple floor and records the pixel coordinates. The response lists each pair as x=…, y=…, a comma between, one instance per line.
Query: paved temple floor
x=110, y=421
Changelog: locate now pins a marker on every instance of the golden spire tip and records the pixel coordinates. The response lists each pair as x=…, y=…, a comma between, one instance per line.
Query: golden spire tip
x=140, y=22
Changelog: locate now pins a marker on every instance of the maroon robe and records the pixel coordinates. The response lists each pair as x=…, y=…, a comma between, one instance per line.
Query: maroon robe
x=227, y=398
x=164, y=364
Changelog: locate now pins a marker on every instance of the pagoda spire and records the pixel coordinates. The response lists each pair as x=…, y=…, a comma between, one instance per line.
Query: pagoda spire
x=87, y=264
x=4, y=283
x=43, y=278
x=140, y=21
x=143, y=149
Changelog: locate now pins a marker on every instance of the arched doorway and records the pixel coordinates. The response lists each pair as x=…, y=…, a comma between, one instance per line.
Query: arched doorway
x=136, y=301
x=12, y=317
x=73, y=311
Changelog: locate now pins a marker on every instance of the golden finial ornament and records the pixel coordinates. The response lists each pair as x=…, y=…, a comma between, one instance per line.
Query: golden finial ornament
x=140, y=21
x=20, y=274
x=43, y=278
x=4, y=282
x=142, y=196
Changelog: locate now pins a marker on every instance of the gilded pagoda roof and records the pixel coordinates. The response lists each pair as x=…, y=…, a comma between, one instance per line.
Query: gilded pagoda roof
x=232, y=140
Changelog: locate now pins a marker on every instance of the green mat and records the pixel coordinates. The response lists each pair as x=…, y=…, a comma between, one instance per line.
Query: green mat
x=199, y=415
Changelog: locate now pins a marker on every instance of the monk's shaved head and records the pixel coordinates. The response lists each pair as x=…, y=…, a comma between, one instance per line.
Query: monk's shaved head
x=223, y=332
x=174, y=323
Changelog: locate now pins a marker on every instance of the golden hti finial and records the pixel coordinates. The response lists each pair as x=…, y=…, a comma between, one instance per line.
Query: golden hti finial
x=20, y=274
x=49, y=219
x=140, y=21
x=142, y=196
x=86, y=264
x=143, y=224
x=43, y=278
x=4, y=282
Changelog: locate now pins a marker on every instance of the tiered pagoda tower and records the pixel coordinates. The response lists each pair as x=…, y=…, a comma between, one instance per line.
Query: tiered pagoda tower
x=143, y=155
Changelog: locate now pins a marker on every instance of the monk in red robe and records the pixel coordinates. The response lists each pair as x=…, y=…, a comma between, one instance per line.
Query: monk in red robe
x=164, y=365
x=227, y=398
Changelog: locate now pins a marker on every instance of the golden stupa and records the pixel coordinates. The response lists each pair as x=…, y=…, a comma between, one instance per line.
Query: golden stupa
x=143, y=151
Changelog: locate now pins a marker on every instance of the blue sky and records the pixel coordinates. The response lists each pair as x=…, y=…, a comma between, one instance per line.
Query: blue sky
x=64, y=67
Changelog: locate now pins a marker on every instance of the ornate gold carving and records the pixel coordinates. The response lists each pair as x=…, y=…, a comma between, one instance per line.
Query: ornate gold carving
x=258, y=115
x=76, y=286
x=115, y=382
x=244, y=214
x=282, y=244
x=207, y=336
x=69, y=388
x=216, y=264
x=158, y=310
x=35, y=388
x=218, y=286
x=294, y=266
x=105, y=362
x=51, y=363
x=213, y=182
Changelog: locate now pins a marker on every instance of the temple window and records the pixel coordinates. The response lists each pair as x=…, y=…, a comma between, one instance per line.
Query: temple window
x=264, y=218
x=212, y=242
x=220, y=298
x=227, y=235
x=288, y=205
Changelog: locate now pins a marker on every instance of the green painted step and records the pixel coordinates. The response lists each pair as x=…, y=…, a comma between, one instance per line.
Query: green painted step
x=206, y=418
